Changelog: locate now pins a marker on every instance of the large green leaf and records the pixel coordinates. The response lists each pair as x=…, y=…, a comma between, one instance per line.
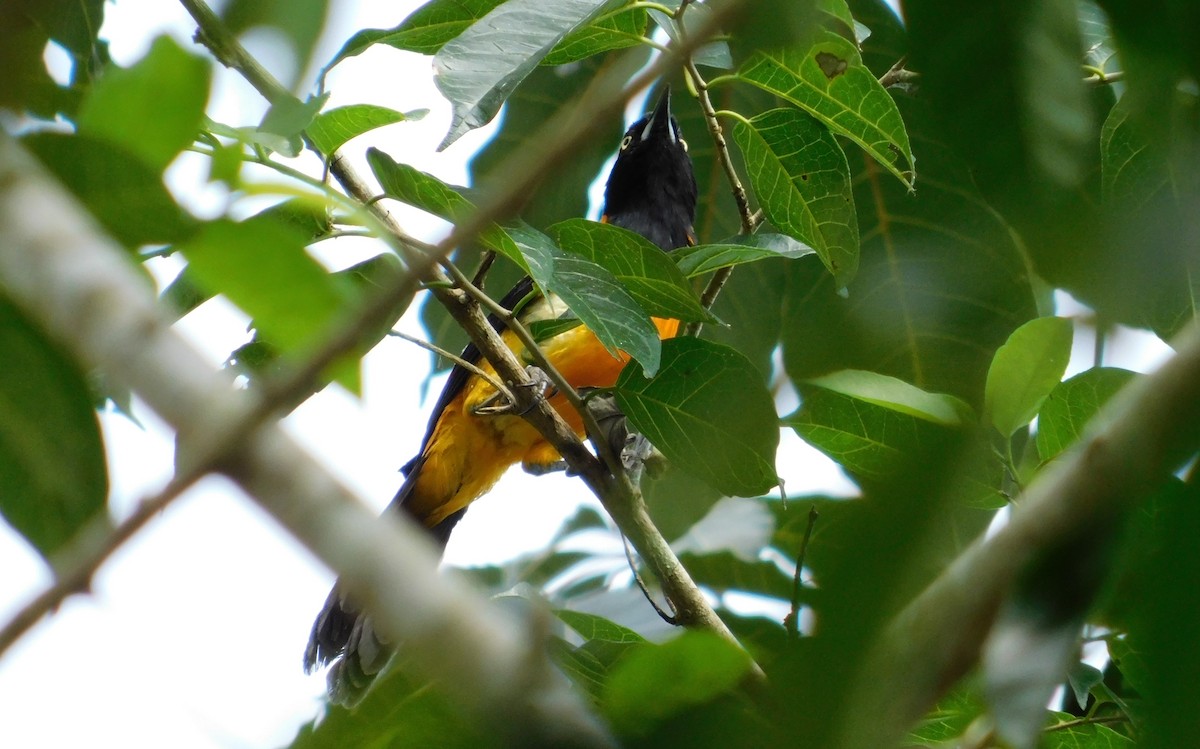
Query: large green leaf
x=649, y=273
x=941, y=282
x=829, y=81
x=126, y=196
x=1029, y=128
x=872, y=423
x=1024, y=371
x=1072, y=403
x=331, y=130
x=424, y=191
x=152, y=109
x=401, y=711
x=654, y=682
x=594, y=294
x=802, y=181
x=615, y=29
x=1149, y=273
x=183, y=294
x=53, y=473
x=708, y=411
x=261, y=266
x=480, y=67
x=592, y=627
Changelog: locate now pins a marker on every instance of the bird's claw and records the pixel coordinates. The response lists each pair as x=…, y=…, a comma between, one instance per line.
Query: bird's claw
x=497, y=404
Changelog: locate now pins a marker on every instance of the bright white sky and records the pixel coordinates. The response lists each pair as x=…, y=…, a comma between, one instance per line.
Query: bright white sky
x=193, y=636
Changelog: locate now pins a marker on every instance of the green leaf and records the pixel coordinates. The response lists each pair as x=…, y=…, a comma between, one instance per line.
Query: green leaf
x=802, y=181
x=400, y=711
x=869, y=441
x=751, y=304
x=480, y=67
x=1149, y=275
x=152, y=109
x=592, y=627
x=708, y=411
x=1029, y=128
x=261, y=266
x=950, y=719
x=126, y=196
x=330, y=130
x=870, y=423
x=620, y=30
x=593, y=293
x=1072, y=404
x=897, y=395
x=287, y=118
x=649, y=273
x=424, y=191
x=706, y=258
x=941, y=282
x=183, y=294
x=425, y=31
x=829, y=81
x=580, y=665
x=1024, y=371
x=53, y=471
x=654, y=682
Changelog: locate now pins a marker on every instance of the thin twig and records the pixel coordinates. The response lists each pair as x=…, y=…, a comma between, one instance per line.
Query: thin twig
x=719, y=279
x=897, y=74
x=472, y=368
x=637, y=577
x=92, y=547
x=1086, y=721
x=793, y=617
x=1143, y=434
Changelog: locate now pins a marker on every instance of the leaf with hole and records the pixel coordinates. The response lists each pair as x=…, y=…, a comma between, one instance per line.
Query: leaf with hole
x=829, y=81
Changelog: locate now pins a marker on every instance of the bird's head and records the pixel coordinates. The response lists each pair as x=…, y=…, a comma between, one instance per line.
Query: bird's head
x=651, y=189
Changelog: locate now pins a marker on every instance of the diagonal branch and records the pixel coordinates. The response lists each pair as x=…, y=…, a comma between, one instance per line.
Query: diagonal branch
x=1143, y=434
x=80, y=288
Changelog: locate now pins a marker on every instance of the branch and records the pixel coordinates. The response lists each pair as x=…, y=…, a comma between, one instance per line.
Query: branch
x=1143, y=434
x=749, y=218
x=81, y=289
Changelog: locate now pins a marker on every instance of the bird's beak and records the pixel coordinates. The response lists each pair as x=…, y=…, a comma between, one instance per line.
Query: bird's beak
x=660, y=119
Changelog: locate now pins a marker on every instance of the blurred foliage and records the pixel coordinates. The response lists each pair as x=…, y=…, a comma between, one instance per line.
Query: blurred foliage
x=899, y=284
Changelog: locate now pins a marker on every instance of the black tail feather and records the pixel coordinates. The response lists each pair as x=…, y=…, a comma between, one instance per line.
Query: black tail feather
x=344, y=636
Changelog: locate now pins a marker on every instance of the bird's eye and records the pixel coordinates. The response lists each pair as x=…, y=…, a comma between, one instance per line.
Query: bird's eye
x=626, y=141
x=683, y=143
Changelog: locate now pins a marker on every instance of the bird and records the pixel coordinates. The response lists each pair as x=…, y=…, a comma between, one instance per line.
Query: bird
x=651, y=190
